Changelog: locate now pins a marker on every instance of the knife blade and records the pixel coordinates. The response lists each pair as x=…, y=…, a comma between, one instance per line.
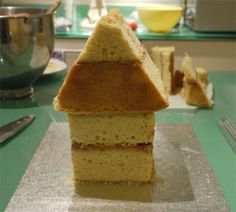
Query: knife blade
x=12, y=128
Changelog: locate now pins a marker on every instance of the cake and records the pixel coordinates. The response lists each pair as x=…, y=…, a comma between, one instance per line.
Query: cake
x=112, y=148
x=116, y=164
x=118, y=87
x=163, y=58
x=178, y=79
x=112, y=129
x=195, y=87
x=203, y=75
x=126, y=78
x=110, y=94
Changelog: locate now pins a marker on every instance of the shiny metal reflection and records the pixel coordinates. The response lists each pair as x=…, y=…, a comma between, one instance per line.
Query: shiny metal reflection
x=26, y=45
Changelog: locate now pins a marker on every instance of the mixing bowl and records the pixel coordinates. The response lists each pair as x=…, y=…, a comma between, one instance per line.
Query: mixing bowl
x=159, y=18
x=26, y=45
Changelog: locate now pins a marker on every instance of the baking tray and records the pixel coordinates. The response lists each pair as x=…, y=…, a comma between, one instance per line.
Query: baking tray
x=185, y=181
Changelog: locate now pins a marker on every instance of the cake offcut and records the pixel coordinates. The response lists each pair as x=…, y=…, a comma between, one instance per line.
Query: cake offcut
x=163, y=58
x=195, y=84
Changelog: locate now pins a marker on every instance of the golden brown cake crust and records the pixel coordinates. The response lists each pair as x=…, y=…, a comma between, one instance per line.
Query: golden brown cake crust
x=195, y=89
x=171, y=68
x=194, y=95
x=163, y=57
x=108, y=87
x=139, y=147
x=178, y=79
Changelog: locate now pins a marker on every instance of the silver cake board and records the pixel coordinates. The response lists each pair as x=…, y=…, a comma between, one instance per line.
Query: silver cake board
x=186, y=181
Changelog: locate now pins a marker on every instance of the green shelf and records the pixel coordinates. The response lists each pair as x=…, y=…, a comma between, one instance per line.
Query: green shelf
x=178, y=33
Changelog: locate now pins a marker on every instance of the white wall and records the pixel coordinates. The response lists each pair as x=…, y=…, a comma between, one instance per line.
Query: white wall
x=214, y=55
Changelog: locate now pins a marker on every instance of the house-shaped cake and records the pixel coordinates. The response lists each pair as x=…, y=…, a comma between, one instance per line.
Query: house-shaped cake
x=110, y=94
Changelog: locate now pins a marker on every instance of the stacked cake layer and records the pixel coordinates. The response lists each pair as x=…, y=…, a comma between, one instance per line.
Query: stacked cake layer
x=112, y=129
x=110, y=94
x=116, y=164
x=112, y=148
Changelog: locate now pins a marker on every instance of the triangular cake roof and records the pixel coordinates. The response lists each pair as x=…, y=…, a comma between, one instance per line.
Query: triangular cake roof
x=123, y=81
x=112, y=40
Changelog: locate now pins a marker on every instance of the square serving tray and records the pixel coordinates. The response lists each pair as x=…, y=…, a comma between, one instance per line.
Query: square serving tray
x=185, y=181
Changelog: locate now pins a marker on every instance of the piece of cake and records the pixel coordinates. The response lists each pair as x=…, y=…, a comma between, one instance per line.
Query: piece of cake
x=178, y=79
x=112, y=148
x=163, y=58
x=116, y=164
x=112, y=129
x=126, y=78
x=110, y=95
x=202, y=75
x=195, y=90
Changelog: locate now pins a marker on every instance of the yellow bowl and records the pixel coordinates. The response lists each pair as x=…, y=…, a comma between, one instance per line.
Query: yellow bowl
x=159, y=18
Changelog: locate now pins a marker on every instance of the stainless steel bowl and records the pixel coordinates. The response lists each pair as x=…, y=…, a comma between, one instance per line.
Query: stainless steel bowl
x=26, y=45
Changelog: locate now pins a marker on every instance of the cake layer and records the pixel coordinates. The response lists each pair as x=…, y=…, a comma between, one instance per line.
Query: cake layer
x=110, y=87
x=115, y=164
x=163, y=58
x=112, y=40
x=126, y=129
x=195, y=94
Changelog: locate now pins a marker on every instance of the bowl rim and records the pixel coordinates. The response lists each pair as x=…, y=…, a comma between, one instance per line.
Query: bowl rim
x=158, y=7
x=41, y=13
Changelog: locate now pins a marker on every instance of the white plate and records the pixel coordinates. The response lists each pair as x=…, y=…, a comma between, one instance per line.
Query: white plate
x=54, y=66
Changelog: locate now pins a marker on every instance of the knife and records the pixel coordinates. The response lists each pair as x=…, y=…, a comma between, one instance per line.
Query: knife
x=12, y=128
